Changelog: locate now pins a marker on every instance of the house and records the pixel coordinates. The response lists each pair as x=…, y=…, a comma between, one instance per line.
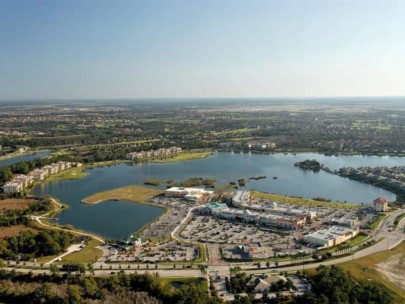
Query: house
x=380, y=204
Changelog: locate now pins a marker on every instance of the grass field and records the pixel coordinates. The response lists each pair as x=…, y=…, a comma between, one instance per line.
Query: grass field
x=72, y=173
x=87, y=255
x=137, y=194
x=191, y=155
x=13, y=230
x=377, y=221
x=366, y=269
x=15, y=203
x=177, y=282
x=301, y=201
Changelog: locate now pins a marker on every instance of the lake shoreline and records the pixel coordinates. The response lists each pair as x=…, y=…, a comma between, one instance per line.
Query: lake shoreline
x=110, y=219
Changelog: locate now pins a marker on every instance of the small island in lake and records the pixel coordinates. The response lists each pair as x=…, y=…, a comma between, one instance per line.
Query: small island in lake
x=308, y=164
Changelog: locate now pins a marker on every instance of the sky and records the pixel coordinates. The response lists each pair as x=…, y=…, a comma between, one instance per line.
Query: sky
x=194, y=49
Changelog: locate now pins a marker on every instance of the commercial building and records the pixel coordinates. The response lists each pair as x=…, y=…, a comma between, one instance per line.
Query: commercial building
x=280, y=221
x=380, y=204
x=241, y=198
x=310, y=215
x=191, y=193
x=262, y=283
x=349, y=222
x=331, y=236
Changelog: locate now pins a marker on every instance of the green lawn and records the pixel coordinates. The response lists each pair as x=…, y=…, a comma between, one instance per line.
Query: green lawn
x=377, y=221
x=87, y=255
x=137, y=194
x=185, y=156
x=203, y=254
x=301, y=201
x=358, y=239
x=72, y=173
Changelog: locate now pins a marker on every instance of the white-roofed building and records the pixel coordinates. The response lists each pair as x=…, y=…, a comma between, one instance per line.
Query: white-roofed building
x=241, y=198
x=332, y=236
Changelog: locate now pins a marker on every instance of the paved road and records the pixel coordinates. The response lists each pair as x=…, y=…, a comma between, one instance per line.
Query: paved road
x=391, y=239
x=69, y=250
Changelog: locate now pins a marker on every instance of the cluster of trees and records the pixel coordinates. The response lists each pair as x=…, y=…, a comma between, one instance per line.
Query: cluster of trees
x=187, y=125
x=120, y=288
x=282, y=285
x=308, y=164
x=333, y=285
x=20, y=216
x=238, y=283
x=198, y=181
x=29, y=244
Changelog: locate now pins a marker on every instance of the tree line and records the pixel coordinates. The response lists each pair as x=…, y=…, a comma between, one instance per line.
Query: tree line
x=29, y=244
x=68, y=288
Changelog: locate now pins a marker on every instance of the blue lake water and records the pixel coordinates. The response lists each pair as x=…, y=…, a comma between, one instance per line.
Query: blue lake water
x=10, y=161
x=118, y=219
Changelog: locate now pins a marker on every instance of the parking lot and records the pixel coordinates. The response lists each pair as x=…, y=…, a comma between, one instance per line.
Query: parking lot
x=163, y=227
x=264, y=241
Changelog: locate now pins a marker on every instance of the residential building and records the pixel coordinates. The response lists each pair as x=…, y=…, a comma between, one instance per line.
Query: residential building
x=12, y=187
x=380, y=204
x=39, y=174
x=153, y=153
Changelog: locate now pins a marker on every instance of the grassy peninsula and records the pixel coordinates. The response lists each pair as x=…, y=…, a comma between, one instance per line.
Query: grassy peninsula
x=185, y=156
x=138, y=194
x=72, y=173
x=301, y=201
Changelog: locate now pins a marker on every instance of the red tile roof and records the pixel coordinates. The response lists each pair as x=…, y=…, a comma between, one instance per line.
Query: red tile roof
x=380, y=201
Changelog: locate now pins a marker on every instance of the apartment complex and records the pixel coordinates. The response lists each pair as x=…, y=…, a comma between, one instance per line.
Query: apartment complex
x=153, y=153
x=22, y=181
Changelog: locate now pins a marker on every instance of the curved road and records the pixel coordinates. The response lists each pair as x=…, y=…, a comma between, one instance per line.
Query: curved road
x=390, y=240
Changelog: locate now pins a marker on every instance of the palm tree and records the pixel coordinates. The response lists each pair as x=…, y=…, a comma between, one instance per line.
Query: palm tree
x=54, y=269
x=90, y=268
x=235, y=270
x=203, y=268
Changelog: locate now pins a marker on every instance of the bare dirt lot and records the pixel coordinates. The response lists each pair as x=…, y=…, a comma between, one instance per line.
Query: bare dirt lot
x=394, y=269
x=15, y=203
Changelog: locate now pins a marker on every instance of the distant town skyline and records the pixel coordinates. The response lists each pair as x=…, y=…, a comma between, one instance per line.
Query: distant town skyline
x=201, y=49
